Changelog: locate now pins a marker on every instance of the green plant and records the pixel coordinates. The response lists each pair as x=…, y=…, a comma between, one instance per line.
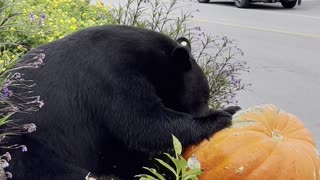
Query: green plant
x=181, y=169
x=48, y=20
x=11, y=102
x=218, y=57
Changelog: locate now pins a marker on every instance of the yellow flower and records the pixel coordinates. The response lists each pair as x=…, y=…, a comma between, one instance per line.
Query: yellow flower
x=12, y=29
x=40, y=33
x=73, y=28
x=50, y=39
x=61, y=21
x=100, y=3
x=73, y=20
x=21, y=48
x=90, y=22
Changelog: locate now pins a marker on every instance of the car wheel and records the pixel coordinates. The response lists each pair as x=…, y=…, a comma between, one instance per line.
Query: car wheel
x=289, y=4
x=242, y=3
x=203, y=1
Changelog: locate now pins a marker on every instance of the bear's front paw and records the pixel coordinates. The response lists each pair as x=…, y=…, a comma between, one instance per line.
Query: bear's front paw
x=232, y=109
x=220, y=119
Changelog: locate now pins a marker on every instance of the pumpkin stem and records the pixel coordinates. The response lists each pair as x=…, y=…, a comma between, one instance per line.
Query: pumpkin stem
x=276, y=135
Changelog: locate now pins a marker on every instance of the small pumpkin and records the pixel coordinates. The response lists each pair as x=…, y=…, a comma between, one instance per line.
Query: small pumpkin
x=263, y=143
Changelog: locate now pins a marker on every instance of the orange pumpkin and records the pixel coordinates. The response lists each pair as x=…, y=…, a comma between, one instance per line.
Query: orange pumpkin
x=263, y=143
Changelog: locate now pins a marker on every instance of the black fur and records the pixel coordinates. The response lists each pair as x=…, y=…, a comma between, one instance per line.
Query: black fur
x=113, y=95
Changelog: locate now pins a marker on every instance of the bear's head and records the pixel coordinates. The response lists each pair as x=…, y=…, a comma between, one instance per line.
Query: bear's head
x=178, y=79
x=194, y=96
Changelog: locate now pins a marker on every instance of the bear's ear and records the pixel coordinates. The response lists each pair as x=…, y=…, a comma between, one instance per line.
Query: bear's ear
x=184, y=42
x=181, y=57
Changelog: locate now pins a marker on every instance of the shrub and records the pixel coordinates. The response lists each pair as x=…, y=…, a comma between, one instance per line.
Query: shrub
x=11, y=102
x=47, y=20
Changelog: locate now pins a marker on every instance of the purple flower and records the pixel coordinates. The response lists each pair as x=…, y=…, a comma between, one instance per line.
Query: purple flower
x=8, y=175
x=42, y=17
x=232, y=78
x=198, y=28
x=6, y=91
x=7, y=156
x=16, y=75
x=226, y=72
x=39, y=60
x=31, y=17
x=14, y=108
x=41, y=104
x=4, y=163
x=30, y=127
x=24, y=148
x=41, y=56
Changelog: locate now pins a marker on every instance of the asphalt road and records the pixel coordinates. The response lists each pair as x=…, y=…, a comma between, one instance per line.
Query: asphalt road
x=282, y=48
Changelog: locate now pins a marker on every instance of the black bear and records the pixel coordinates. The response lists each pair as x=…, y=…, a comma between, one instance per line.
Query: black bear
x=113, y=95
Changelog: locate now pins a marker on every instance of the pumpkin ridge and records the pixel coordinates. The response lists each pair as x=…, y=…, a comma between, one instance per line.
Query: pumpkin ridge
x=303, y=144
x=293, y=122
x=299, y=138
x=283, y=113
x=264, y=160
x=302, y=151
x=261, y=142
x=231, y=166
x=293, y=130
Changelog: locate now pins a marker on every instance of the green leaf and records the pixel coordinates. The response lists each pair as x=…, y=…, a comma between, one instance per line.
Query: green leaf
x=166, y=165
x=4, y=119
x=172, y=159
x=182, y=165
x=14, y=61
x=155, y=173
x=177, y=146
x=144, y=177
x=190, y=177
x=192, y=172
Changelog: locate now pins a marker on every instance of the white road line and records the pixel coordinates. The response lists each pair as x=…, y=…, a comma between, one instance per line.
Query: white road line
x=289, y=14
x=258, y=28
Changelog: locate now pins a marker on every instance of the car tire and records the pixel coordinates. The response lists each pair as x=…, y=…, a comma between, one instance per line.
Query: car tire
x=242, y=3
x=203, y=1
x=289, y=4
